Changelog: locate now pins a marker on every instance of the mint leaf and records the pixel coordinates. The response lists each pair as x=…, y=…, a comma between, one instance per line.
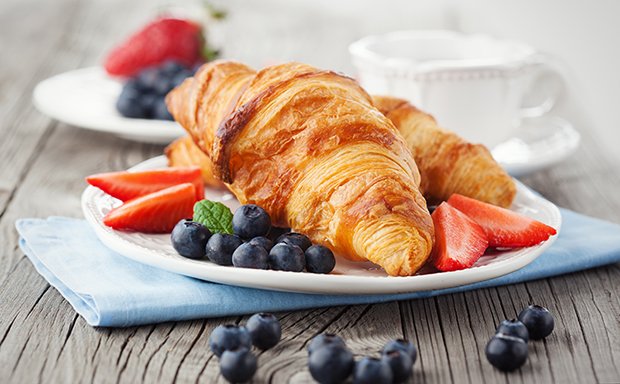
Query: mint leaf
x=213, y=215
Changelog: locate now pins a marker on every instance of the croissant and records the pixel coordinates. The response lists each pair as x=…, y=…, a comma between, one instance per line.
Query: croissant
x=309, y=147
x=183, y=152
x=448, y=164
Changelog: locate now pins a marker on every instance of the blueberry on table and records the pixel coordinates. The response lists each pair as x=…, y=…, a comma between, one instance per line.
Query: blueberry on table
x=129, y=103
x=294, y=238
x=265, y=330
x=251, y=221
x=228, y=337
x=370, y=370
x=250, y=256
x=238, y=365
x=403, y=345
x=220, y=248
x=400, y=363
x=319, y=259
x=538, y=320
x=189, y=239
x=263, y=242
x=506, y=353
x=286, y=257
x=331, y=364
x=514, y=328
x=325, y=339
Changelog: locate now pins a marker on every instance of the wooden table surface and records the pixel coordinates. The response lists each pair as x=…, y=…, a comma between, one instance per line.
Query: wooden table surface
x=43, y=164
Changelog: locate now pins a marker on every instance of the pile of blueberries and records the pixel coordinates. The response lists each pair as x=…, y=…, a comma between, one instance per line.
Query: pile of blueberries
x=254, y=244
x=232, y=344
x=143, y=96
x=507, y=350
x=330, y=362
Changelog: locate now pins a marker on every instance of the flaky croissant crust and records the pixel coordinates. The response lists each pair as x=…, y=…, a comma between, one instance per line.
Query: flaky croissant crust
x=448, y=164
x=309, y=147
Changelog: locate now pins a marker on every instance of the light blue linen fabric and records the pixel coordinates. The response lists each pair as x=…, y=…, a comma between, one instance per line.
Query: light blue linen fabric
x=109, y=290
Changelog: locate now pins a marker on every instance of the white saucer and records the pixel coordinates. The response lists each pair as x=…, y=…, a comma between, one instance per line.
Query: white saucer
x=347, y=278
x=540, y=143
x=86, y=98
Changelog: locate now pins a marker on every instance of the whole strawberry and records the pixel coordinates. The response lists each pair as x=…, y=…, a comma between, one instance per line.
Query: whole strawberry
x=163, y=39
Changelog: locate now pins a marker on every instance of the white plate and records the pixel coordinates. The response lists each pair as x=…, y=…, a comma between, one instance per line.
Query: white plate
x=540, y=143
x=86, y=98
x=347, y=278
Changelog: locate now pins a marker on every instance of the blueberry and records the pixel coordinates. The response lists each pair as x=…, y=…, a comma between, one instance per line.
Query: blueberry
x=148, y=78
x=189, y=239
x=250, y=256
x=263, y=242
x=370, y=370
x=148, y=101
x=293, y=238
x=331, y=364
x=431, y=208
x=319, y=259
x=238, y=365
x=325, y=339
x=128, y=103
x=163, y=86
x=403, y=345
x=286, y=257
x=178, y=79
x=265, y=330
x=220, y=248
x=506, y=353
x=160, y=110
x=400, y=363
x=228, y=337
x=538, y=320
x=171, y=67
x=513, y=328
x=251, y=221
x=276, y=232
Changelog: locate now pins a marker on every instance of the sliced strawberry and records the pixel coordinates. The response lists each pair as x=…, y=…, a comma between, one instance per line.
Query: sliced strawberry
x=459, y=241
x=157, y=212
x=503, y=228
x=129, y=185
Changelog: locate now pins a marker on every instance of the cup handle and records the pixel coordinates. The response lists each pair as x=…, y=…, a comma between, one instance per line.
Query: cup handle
x=546, y=70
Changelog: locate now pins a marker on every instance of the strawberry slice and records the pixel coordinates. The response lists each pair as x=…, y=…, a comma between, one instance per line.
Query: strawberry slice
x=129, y=185
x=157, y=212
x=503, y=228
x=459, y=241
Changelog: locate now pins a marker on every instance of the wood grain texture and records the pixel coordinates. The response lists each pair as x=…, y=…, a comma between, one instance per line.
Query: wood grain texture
x=42, y=340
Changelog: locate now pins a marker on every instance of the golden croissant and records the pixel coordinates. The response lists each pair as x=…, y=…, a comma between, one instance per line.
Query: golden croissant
x=447, y=163
x=309, y=147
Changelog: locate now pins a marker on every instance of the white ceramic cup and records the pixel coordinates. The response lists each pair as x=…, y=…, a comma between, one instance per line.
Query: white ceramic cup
x=475, y=85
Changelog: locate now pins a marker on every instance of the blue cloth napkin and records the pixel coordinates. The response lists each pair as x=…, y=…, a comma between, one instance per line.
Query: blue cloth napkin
x=110, y=290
